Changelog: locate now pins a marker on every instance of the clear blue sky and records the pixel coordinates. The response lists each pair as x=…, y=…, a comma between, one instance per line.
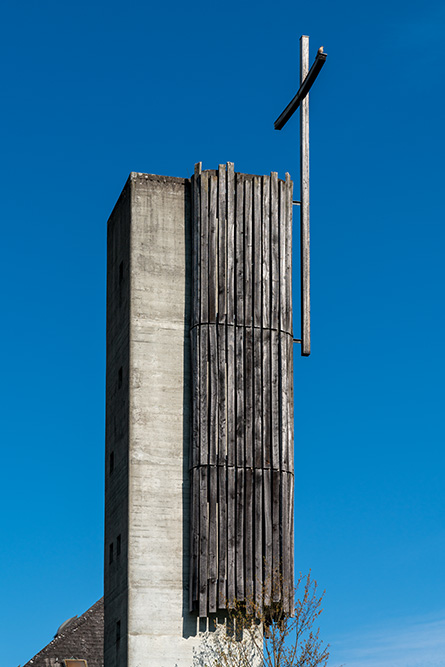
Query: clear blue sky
x=94, y=90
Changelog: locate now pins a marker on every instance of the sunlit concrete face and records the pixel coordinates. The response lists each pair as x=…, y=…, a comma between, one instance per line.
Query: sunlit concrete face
x=147, y=622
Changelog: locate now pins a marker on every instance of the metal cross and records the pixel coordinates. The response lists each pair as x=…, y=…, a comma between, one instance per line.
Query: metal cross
x=307, y=78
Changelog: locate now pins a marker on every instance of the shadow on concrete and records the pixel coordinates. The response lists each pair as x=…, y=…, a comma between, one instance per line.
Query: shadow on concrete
x=189, y=619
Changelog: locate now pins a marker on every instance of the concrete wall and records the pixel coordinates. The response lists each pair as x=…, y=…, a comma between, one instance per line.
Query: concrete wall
x=148, y=411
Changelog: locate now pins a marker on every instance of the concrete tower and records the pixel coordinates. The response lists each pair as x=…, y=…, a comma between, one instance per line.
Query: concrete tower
x=198, y=408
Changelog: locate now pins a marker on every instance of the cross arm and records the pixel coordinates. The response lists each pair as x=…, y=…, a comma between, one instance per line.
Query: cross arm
x=302, y=92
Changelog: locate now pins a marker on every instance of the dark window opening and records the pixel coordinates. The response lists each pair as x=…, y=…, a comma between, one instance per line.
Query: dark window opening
x=118, y=632
x=119, y=378
x=118, y=546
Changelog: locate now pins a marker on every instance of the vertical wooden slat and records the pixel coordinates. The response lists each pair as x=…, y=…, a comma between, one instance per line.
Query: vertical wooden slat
x=213, y=544
x=291, y=542
x=239, y=383
x=222, y=536
x=274, y=246
x=258, y=537
x=257, y=399
x=240, y=508
x=276, y=542
x=222, y=384
x=257, y=252
x=239, y=249
x=194, y=538
x=203, y=395
x=289, y=214
x=196, y=245
x=275, y=403
x=222, y=243
x=248, y=535
x=284, y=402
x=265, y=238
x=268, y=535
x=248, y=277
x=231, y=535
x=195, y=350
x=285, y=558
x=282, y=253
x=203, y=539
x=213, y=248
x=267, y=400
x=248, y=396
x=204, y=249
x=230, y=243
x=231, y=397
x=290, y=403
x=213, y=394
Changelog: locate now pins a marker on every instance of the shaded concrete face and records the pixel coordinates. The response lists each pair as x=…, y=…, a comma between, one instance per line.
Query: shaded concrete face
x=147, y=621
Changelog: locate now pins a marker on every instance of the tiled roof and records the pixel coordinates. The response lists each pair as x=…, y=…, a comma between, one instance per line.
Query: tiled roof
x=82, y=638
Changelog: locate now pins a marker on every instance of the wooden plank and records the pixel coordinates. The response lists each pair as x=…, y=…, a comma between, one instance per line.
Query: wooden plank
x=257, y=253
x=231, y=535
x=222, y=393
x=290, y=404
x=274, y=254
x=248, y=240
x=222, y=243
x=239, y=249
x=275, y=402
x=195, y=351
x=231, y=397
x=248, y=396
x=239, y=555
x=289, y=214
x=267, y=399
x=230, y=243
x=258, y=538
x=284, y=400
x=203, y=541
x=213, y=248
x=222, y=536
x=248, y=536
x=203, y=396
x=285, y=536
x=257, y=399
x=265, y=239
x=196, y=243
x=276, y=538
x=204, y=251
x=291, y=542
x=239, y=384
x=213, y=395
x=268, y=536
x=213, y=539
x=282, y=214
x=194, y=538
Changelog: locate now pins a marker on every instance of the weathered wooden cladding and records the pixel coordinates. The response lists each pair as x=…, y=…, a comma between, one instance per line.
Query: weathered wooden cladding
x=242, y=390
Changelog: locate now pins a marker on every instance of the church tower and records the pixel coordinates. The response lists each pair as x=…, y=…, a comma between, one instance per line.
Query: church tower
x=199, y=408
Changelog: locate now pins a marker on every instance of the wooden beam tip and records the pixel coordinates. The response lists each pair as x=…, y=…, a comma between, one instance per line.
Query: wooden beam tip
x=198, y=167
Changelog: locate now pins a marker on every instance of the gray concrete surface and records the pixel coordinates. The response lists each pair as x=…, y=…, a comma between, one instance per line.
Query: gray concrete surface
x=148, y=406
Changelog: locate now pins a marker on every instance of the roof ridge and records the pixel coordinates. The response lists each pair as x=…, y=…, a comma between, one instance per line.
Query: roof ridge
x=72, y=627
